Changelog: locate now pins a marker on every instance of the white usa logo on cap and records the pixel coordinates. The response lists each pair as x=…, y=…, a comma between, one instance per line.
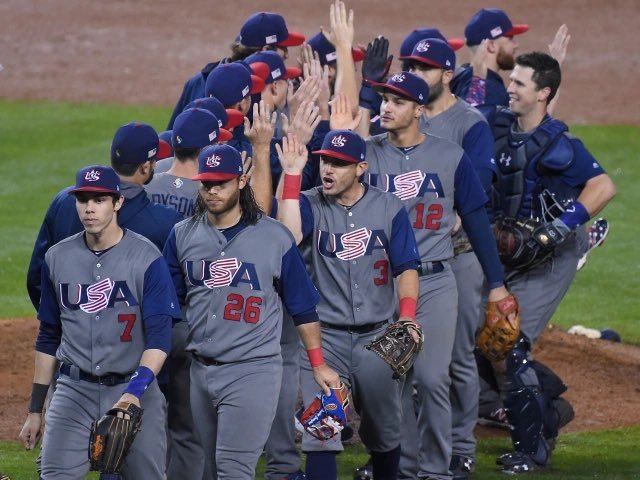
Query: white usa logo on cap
x=213, y=161
x=92, y=176
x=398, y=77
x=423, y=46
x=338, y=141
x=496, y=32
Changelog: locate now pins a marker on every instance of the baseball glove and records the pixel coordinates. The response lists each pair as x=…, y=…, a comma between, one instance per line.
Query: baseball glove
x=327, y=414
x=112, y=436
x=397, y=347
x=499, y=334
x=520, y=243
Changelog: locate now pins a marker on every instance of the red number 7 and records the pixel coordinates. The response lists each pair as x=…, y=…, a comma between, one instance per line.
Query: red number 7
x=130, y=320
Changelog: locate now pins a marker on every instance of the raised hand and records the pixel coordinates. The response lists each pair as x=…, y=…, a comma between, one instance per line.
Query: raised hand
x=558, y=47
x=308, y=91
x=292, y=155
x=342, y=117
x=304, y=123
x=260, y=131
x=341, y=34
x=377, y=62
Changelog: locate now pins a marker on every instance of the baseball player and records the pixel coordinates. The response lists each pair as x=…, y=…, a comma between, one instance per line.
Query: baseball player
x=228, y=119
x=193, y=130
x=557, y=165
x=134, y=150
x=356, y=238
x=451, y=118
x=490, y=34
x=231, y=266
x=432, y=177
x=106, y=311
x=261, y=31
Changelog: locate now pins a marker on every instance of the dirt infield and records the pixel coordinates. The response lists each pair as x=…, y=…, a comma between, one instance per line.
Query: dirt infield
x=142, y=51
x=602, y=377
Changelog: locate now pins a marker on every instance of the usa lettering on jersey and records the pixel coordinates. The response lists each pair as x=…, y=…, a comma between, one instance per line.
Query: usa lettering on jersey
x=351, y=245
x=95, y=297
x=228, y=272
x=410, y=184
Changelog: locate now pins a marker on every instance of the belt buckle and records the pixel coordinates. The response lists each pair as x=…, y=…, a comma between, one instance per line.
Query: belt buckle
x=107, y=380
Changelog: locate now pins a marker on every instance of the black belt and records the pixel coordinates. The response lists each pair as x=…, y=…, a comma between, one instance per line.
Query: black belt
x=110, y=379
x=429, y=268
x=207, y=361
x=369, y=327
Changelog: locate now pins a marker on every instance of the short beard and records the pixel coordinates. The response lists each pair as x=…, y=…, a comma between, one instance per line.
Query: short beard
x=505, y=61
x=435, y=92
x=148, y=180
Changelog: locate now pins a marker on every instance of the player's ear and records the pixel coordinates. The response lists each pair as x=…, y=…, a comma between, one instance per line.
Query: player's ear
x=361, y=168
x=492, y=46
x=543, y=94
x=419, y=111
x=447, y=76
x=242, y=181
x=118, y=203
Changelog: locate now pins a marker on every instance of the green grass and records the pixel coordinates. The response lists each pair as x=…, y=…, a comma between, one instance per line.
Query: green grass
x=42, y=145
x=605, y=455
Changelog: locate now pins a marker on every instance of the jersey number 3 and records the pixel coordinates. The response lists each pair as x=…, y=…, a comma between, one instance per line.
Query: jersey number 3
x=240, y=308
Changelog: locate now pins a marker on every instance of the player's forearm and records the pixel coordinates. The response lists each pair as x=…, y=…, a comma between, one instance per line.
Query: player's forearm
x=153, y=359
x=364, y=127
x=310, y=335
x=45, y=367
x=408, y=284
x=597, y=192
x=289, y=216
x=261, y=177
x=346, y=82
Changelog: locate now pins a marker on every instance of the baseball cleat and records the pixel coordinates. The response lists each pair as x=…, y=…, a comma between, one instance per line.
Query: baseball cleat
x=497, y=419
x=365, y=472
x=597, y=233
x=461, y=467
x=515, y=463
x=299, y=475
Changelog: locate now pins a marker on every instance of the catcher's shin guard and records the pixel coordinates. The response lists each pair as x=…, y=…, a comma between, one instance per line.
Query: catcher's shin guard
x=526, y=405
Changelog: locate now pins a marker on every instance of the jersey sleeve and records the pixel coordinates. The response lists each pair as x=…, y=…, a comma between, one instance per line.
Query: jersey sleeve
x=49, y=309
x=583, y=168
x=159, y=295
x=479, y=146
x=297, y=290
x=403, y=251
x=476, y=224
x=306, y=216
x=170, y=254
x=468, y=194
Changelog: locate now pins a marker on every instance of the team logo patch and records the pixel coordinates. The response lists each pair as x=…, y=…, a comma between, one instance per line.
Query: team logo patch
x=330, y=406
x=178, y=139
x=408, y=184
x=221, y=272
x=423, y=46
x=398, y=77
x=178, y=183
x=98, y=295
x=338, y=141
x=213, y=161
x=92, y=176
x=355, y=244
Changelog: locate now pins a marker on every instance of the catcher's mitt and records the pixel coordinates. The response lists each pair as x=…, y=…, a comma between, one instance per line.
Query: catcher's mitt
x=397, y=347
x=499, y=334
x=521, y=243
x=112, y=436
x=327, y=414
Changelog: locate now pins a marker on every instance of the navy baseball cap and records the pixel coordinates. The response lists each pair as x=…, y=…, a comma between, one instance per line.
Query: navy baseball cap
x=137, y=143
x=228, y=118
x=327, y=52
x=97, y=178
x=491, y=23
x=219, y=162
x=422, y=33
x=277, y=68
x=343, y=145
x=433, y=52
x=232, y=82
x=195, y=128
x=266, y=28
x=407, y=85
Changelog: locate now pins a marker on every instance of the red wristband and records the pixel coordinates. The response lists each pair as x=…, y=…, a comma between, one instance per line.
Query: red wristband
x=408, y=307
x=315, y=357
x=291, y=187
